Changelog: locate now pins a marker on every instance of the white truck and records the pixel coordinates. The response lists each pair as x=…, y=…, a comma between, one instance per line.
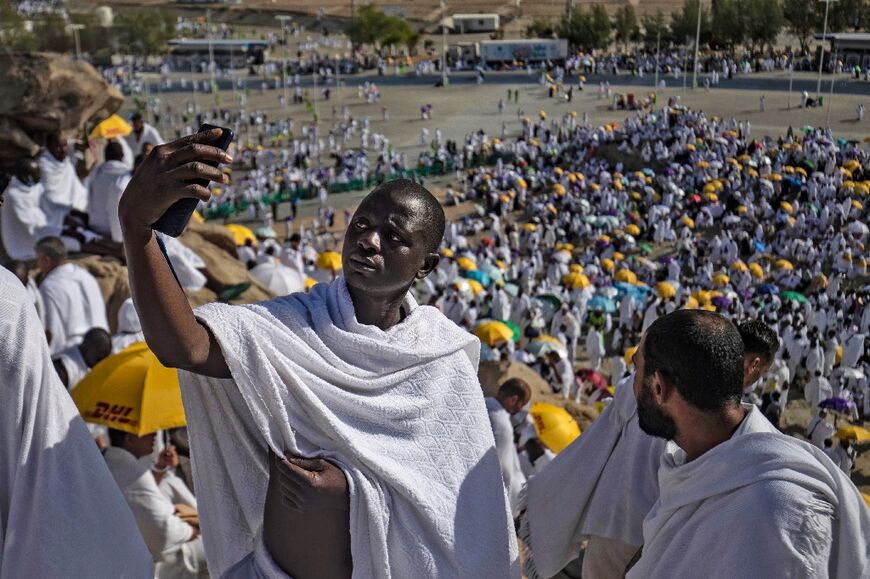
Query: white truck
x=527, y=50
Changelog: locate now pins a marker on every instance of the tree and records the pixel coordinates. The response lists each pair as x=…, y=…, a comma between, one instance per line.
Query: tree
x=763, y=21
x=728, y=28
x=541, y=28
x=372, y=26
x=801, y=19
x=587, y=30
x=684, y=23
x=14, y=37
x=146, y=32
x=655, y=29
x=625, y=24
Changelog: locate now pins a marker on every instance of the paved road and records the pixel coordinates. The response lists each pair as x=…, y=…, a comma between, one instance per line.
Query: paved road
x=749, y=82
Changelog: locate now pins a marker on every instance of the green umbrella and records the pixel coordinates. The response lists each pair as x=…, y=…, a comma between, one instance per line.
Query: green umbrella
x=552, y=298
x=798, y=297
x=645, y=247
x=513, y=327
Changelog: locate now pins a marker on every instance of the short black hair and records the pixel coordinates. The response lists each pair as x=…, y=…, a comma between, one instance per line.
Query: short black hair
x=113, y=151
x=116, y=437
x=701, y=353
x=137, y=116
x=515, y=387
x=759, y=338
x=432, y=214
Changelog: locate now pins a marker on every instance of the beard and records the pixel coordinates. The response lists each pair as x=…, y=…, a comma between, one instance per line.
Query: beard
x=651, y=418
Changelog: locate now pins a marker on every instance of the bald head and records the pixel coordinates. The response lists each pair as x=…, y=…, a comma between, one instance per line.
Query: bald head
x=426, y=208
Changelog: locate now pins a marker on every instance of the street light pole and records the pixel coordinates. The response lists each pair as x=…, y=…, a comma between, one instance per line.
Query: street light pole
x=75, y=30
x=822, y=51
x=283, y=18
x=443, y=43
x=697, y=40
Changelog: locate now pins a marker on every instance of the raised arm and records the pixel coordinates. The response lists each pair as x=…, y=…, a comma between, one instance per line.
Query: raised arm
x=171, y=330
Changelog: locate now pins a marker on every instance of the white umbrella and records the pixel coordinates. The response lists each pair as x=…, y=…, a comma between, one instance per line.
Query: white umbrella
x=280, y=279
x=562, y=256
x=853, y=373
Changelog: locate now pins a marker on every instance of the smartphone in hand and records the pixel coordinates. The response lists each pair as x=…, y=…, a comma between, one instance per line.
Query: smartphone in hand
x=175, y=219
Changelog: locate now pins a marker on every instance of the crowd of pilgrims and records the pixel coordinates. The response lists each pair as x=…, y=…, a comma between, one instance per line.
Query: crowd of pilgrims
x=579, y=236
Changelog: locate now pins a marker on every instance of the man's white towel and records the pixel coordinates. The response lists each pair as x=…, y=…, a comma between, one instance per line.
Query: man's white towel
x=105, y=187
x=61, y=514
x=761, y=504
x=22, y=221
x=63, y=189
x=400, y=411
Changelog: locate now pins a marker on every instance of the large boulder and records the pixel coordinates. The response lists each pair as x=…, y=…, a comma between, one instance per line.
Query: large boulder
x=46, y=92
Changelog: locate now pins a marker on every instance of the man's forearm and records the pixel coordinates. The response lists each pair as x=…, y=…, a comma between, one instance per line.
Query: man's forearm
x=170, y=328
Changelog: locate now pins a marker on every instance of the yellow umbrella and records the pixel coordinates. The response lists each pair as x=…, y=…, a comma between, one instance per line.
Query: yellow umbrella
x=530, y=227
x=576, y=268
x=665, y=290
x=857, y=204
x=783, y=264
x=329, y=260
x=310, y=282
x=692, y=304
x=618, y=256
x=446, y=252
x=576, y=281
x=721, y=279
x=756, y=271
x=131, y=391
x=787, y=207
x=241, y=234
x=554, y=426
x=475, y=286
x=559, y=189
x=854, y=432
x=801, y=171
x=494, y=332
x=632, y=229
x=625, y=275
x=776, y=177
x=865, y=496
x=742, y=209
x=739, y=266
x=466, y=263
x=703, y=297
x=629, y=355
x=197, y=217
x=688, y=221
x=111, y=128
x=608, y=264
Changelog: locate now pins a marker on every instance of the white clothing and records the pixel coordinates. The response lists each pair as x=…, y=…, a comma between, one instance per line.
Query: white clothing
x=503, y=432
x=164, y=532
x=22, y=220
x=149, y=135
x=399, y=411
x=806, y=519
x=36, y=297
x=73, y=305
x=60, y=510
x=74, y=363
x=62, y=188
x=129, y=327
x=819, y=430
x=105, y=187
x=186, y=264
x=603, y=484
x=841, y=458
x=529, y=469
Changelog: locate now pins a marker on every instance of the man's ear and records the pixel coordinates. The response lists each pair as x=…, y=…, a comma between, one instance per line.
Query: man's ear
x=662, y=388
x=429, y=264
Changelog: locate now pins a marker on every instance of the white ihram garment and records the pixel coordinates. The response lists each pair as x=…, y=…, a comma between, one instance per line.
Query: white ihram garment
x=399, y=411
x=106, y=185
x=798, y=515
x=22, y=220
x=63, y=189
x=61, y=514
x=73, y=305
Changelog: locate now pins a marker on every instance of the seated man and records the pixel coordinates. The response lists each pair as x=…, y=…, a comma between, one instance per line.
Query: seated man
x=73, y=363
x=379, y=394
x=172, y=534
x=63, y=193
x=72, y=297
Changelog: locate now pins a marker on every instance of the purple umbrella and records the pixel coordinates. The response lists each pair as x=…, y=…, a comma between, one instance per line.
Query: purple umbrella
x=721, y=302
x=837, y=405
